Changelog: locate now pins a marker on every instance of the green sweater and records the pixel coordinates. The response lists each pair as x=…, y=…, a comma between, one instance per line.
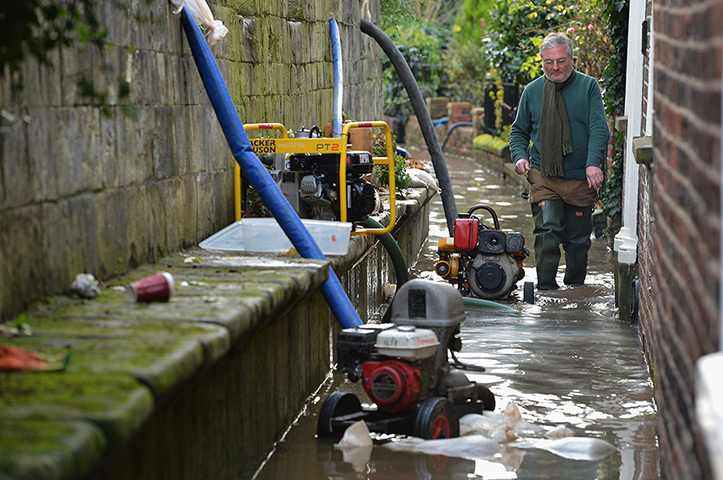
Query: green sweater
x=587, y=120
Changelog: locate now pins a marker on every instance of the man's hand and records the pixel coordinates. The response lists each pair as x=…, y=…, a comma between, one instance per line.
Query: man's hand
x=522, y=166
x=594, y=176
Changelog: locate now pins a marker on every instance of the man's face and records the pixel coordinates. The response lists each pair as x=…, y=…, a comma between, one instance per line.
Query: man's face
x=556, y=63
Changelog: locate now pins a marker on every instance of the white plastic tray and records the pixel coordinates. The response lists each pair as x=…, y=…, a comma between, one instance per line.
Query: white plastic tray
x=264, y=235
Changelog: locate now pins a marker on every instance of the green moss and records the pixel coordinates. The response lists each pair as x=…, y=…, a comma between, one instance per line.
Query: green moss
x=117, y=403
x=492, y=144
x=32, y=449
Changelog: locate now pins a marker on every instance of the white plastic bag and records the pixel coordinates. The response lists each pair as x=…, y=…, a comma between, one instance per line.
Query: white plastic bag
x=201, y=13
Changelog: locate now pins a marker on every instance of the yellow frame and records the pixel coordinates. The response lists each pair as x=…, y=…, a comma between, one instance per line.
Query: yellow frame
x=323, y=145
x=388, y=160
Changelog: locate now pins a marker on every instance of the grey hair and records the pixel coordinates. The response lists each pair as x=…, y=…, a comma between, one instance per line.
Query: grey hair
x=556, y=40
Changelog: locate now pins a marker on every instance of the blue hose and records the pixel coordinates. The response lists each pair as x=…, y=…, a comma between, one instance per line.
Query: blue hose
x=256, y=173
x=336, y=118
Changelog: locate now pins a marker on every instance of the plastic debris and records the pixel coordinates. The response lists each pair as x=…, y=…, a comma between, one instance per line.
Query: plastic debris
x=86, y=285
x=215, y=29
x=14, y=359
x=156, y=288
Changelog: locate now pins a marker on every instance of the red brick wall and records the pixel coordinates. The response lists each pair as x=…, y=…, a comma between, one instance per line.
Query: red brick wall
x=680, y=223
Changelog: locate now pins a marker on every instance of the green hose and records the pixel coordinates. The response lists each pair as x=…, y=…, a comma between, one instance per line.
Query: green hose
x=392, y=248
x=395, y=253
x=479, y=302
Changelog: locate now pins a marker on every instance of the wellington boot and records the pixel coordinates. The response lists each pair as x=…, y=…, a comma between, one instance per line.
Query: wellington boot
x=578, y=228
x=549, y=216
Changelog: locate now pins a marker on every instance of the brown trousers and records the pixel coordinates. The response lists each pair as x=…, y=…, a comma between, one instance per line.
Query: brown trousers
x=572, y=192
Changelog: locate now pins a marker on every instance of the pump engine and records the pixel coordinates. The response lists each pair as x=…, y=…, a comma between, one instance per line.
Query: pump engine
x=404, y=368
x=310, y=181
x=481, y=260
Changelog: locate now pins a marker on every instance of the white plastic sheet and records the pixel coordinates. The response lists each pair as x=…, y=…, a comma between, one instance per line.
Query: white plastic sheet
x=199, y=9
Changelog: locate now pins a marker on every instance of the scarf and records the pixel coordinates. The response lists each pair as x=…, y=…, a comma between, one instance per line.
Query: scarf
x=555, y=132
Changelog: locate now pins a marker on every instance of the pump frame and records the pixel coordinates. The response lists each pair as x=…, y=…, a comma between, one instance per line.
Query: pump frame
x=286, y=145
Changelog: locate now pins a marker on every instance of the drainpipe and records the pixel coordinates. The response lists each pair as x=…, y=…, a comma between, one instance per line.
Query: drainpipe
x=257, y=174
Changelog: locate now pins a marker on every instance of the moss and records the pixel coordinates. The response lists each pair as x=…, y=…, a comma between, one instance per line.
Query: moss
x=492, y=144
x=117, y=403
x=32, y=449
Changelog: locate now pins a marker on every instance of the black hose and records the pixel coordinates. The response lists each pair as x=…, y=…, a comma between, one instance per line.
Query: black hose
x=451, y=129
x=425, y=122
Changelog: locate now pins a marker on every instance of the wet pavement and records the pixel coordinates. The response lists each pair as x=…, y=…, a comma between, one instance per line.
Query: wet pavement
x=565, y=359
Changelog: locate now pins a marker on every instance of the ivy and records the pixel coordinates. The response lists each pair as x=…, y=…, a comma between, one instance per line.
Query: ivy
x=32, y=29
x=613, y=83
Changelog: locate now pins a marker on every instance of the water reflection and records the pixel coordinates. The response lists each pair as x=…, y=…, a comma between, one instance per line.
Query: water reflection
x=564, y=360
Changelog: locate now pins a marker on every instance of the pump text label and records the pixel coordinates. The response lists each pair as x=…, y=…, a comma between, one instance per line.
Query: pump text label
x=264, y=145
x=296, y=145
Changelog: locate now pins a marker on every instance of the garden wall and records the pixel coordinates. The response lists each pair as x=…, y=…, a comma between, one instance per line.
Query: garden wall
x=105, y=184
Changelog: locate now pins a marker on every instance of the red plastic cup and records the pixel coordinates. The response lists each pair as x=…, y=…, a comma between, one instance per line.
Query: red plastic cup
x=156, y=288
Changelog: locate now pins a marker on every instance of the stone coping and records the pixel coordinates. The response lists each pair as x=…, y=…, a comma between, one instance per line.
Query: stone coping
x=129, y=359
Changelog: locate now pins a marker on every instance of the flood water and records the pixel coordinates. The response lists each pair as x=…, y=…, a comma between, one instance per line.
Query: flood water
x=565, y=359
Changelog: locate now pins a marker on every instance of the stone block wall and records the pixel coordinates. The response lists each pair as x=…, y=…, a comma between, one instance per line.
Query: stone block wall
x=104, y=184
x=680, y=223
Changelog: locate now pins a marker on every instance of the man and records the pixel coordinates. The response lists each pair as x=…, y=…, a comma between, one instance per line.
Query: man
x=558, y=142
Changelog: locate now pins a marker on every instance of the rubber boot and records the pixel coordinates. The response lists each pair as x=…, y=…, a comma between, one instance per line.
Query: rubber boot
x=577, y=231
x=549, y=216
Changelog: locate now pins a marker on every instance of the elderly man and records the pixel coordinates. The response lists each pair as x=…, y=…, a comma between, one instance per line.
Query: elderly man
x=558, y=142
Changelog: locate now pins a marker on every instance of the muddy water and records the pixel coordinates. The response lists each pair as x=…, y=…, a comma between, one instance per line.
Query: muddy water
x=564, y=360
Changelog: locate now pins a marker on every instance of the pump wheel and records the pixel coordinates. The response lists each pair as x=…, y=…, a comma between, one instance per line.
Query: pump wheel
x=487, y=397
x=335, y=405
x=436, y=419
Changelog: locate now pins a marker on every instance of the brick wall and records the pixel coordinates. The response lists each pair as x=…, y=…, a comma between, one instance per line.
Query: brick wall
x=102, y=186
x=680, y=223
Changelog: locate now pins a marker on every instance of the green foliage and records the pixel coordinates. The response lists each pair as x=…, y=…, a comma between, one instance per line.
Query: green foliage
x=401, y=177
x=613, y=79
x=465, y=67
x=613, y=83
x=471, y=24
x=35, y=27
x=32, y=29
x=427, y=38
x=381, y=172
x=516, y=30
x=612, y=192
x=466, y=71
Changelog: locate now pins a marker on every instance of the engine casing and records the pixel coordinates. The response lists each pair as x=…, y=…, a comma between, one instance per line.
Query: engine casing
x=393, y=385
x=492, y=276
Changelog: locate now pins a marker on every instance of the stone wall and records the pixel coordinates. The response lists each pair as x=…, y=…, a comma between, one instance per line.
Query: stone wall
x=679, y=214
x=102, y=185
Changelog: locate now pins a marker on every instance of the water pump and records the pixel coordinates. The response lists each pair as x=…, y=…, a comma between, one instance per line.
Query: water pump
x=404, y=368
x=310, y=181
x=480, y=260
